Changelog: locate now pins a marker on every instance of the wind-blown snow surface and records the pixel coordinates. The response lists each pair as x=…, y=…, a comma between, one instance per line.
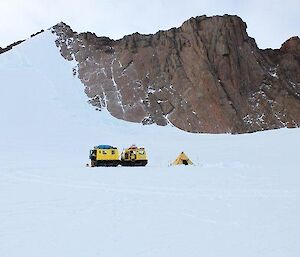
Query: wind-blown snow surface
x=242, y=198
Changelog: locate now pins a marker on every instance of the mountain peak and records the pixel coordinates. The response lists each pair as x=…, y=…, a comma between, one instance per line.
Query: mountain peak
x=291, y=45
x=206, y=76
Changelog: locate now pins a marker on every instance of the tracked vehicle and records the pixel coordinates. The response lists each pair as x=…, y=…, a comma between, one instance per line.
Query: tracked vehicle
x=134, y=156
x=104, y=155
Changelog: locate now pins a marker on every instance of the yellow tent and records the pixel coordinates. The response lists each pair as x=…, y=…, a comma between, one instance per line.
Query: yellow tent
x=182, y=159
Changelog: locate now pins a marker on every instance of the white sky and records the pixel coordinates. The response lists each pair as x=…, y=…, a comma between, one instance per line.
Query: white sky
x=270, y=22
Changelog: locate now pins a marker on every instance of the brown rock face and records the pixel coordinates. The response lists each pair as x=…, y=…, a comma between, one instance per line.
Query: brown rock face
x=206, y=76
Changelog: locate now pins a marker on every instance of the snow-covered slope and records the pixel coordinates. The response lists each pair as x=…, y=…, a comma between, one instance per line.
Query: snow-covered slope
x=241, y=198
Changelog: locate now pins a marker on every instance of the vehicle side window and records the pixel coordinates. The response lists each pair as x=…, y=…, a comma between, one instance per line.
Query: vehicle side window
x=104, y=152
x=113, y=152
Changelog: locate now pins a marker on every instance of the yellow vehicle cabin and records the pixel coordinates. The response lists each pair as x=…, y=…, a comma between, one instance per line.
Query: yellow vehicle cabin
x=104, y=155
x=134, y=156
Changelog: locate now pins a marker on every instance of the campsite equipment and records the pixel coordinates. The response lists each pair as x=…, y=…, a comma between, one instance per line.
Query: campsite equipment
x=182, y=159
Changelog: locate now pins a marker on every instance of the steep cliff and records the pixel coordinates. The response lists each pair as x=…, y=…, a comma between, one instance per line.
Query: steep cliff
x=206, y=76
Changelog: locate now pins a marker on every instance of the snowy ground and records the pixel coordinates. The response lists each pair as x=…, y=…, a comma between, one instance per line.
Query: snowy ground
x=241, y=198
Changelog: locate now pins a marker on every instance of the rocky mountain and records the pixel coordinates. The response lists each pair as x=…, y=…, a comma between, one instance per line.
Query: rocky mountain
x=206, y=76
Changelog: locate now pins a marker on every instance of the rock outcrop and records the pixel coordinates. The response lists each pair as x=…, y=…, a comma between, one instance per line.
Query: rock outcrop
x=206, y=76
x=9, y=47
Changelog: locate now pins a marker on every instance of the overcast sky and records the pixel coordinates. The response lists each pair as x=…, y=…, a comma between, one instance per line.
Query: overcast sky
x=270, y=22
